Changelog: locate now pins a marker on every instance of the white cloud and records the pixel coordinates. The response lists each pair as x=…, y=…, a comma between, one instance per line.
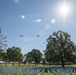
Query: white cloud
x=23, y=16
x=53, y=21
x=16, y=1
x=38, y=20
x=25, y=38
x=41, y=33
x=47, y=26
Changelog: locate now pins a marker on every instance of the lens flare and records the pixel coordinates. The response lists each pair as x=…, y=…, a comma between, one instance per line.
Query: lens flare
x=64, y=10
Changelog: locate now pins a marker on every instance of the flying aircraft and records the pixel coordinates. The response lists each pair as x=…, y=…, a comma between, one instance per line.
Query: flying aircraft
x=38, y=35
x=21, y=36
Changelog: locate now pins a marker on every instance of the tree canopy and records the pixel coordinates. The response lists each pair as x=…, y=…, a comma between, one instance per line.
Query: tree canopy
x=14, y=54
x=3, y=44
x=59, y=48
x=2, y=40
x=35, y=55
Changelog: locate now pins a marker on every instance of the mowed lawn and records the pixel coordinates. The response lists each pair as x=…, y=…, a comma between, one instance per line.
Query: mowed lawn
x=38, y=74
x=74, y=65
x=25, y=65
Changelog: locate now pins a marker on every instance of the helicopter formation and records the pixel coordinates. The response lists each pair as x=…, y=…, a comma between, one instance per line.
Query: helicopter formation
x=36, y=35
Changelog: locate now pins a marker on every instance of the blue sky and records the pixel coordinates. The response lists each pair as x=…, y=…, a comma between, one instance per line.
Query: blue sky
x=35, y=17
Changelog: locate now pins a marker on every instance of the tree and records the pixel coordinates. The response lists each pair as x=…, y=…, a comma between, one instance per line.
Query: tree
x=19, y=57
x=1, y=53
x=3, y=41
x=59, y=48
x=43, y=61
x=5, y=58
x=28, y=58
x=3, y=44
x=36, y=56
x=14, y=54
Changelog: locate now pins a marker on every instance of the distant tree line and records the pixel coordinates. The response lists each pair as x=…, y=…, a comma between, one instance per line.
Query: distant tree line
x=60, y=49
x=34, y=56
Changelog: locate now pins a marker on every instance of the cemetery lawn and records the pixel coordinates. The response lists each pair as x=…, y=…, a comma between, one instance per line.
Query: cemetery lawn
x=74, y=65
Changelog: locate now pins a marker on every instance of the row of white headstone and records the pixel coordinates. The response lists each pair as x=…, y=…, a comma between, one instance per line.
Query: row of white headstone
x=35, y=70
x=20, y=70
x=63, y=70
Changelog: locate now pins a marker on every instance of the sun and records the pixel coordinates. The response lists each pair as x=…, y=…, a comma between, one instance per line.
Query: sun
x=64, y=10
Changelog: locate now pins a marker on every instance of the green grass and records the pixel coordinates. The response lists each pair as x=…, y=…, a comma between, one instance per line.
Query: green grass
x=38, y=74
x=74, y=65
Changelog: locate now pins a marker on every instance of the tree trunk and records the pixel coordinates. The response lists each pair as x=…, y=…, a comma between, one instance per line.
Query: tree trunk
x=5, y=63
x=62, y=62
x=37, y=63
x=19, y=63
x=62, y=59
x=29, y=63
x=13, y=63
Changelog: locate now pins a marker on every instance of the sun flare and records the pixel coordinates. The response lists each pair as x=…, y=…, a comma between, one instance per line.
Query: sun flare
x=64, y=10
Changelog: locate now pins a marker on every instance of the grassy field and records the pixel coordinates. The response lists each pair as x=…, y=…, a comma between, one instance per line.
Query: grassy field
x=38, y=74
x=24, y=65
x=34, y=65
